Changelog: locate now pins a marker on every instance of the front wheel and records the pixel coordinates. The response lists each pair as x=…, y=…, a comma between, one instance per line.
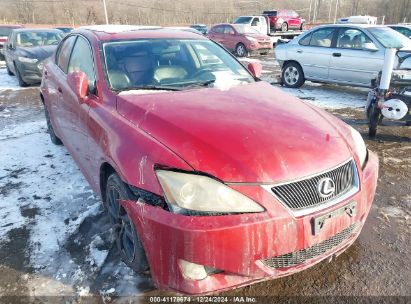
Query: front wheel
x=127, y=241
x=284, y=27
x=241, y=50
x=302, y=26
x=9, y=72
x=374, y=119
x=292, y=75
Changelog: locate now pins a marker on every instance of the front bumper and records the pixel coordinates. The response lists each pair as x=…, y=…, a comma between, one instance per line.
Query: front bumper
x=31, y=73
x=236, y=245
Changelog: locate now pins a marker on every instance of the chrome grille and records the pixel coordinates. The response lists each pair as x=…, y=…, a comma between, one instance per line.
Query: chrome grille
x=299, y=257
x=304, y=193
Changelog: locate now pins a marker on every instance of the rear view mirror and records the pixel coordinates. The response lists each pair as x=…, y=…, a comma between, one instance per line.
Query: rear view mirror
x=255, y=69
x=78, y=82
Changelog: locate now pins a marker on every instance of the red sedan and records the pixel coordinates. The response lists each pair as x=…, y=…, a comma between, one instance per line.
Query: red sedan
x=240, y=39
x=211, y=178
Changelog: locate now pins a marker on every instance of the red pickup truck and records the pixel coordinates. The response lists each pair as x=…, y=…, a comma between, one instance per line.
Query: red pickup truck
x=284, y=20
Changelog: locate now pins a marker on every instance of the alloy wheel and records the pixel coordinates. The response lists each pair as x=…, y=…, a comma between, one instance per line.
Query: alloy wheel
x=241, y=50
x=291, y=75
x=126, y=241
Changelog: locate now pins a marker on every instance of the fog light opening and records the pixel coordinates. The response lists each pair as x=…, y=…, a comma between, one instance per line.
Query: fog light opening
x=193, y=271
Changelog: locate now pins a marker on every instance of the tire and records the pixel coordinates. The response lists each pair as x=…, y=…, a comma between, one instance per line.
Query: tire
x=19, y=78
x=241, y=50
x=284, y=27
x=302, y=26
x=8, y=70
x=408, y=123
x=53, y=137
x=126, y=238
x=292, y=75
x=265, y=53
x=374, y=120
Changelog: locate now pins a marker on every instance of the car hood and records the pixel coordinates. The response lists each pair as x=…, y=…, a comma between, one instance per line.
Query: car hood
x=249, y=133
x=39, y=52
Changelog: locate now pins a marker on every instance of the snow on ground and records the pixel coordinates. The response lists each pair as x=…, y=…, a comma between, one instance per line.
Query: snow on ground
x=43, y=191
x=7, y=82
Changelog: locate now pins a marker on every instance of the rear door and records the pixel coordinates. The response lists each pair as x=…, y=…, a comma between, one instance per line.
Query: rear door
x=351, y=62
x=217, y=34
x=313, y=52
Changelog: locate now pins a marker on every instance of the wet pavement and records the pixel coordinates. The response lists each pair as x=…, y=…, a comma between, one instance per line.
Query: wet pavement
x=55, y=238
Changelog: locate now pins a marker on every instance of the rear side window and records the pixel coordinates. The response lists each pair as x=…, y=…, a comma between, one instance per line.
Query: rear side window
x=322, y=37
x=63, y=55
x=82, y=60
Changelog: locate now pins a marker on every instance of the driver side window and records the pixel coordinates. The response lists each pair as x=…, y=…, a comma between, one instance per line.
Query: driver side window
x=82, y=60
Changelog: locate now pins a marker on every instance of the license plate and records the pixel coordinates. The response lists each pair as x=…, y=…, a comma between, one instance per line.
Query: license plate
x=319, y=222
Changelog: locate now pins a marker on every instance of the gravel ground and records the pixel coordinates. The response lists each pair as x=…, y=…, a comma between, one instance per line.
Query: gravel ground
x=55, y=239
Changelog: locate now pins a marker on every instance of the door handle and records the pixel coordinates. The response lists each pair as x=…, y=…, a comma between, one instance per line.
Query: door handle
x=60, y=90
x=336, y=54
x=299, y=51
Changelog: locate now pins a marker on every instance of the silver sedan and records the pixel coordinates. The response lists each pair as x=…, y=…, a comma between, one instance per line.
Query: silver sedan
x=344, y=54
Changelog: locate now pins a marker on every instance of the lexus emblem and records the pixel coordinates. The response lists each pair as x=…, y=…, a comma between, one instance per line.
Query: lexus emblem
x=326, y=187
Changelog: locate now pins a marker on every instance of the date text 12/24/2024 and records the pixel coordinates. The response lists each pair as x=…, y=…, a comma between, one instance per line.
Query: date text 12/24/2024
x=203, y=299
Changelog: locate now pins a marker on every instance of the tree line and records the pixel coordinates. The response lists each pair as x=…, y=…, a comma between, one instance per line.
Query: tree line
x=184, y=12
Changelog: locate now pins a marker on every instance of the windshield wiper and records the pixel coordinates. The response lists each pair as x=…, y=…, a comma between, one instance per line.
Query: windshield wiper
x=202, y=83
x=153, y=87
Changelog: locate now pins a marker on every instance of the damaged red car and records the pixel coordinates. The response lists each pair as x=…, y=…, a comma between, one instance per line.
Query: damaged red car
x=212, y=178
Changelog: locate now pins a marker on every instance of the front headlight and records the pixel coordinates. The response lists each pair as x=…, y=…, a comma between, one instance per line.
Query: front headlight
x=27, y=60
x=360, y=146
x=189, y=192
x=252, y=39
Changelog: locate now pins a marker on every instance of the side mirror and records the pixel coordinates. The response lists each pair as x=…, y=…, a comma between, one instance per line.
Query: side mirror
x=255, y=69
x=369, y=46
x=78, y=82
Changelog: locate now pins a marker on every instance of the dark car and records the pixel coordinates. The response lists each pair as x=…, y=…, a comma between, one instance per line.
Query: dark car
x=404, y=29
x=202, y=28
x=5, y=31
x=26, y=50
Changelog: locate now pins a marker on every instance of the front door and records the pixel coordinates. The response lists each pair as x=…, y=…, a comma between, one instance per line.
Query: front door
x=81, y=60
x=353, y=60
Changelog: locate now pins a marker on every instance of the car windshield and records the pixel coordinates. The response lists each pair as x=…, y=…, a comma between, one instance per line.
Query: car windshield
x=38, y=38
x=243, y=20
x=5, y=31
x=389, y=38
x=170, y=64
x=245, y=29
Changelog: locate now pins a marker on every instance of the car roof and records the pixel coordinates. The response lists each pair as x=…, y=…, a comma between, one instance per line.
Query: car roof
x=358, y=25
x=19, y=30
x=11, y=26
x=125, y=32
